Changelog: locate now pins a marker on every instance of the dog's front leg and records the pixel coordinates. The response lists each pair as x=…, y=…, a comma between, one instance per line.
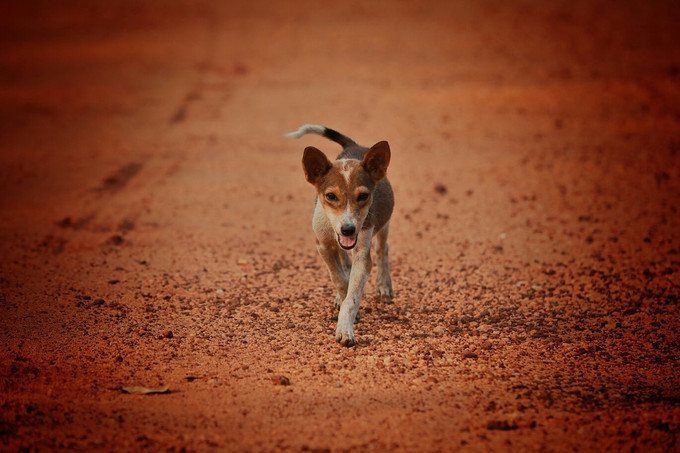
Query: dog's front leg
x=338, y=265
x=361, y=268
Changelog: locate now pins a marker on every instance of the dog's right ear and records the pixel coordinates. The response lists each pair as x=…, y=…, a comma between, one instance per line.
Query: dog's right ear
x=315, y=164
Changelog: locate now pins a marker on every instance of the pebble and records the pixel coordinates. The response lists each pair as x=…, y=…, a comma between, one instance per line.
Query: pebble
x=439, y=330
x=279, y=379
x=501, y=425
x=469, y=355
x=116, y=240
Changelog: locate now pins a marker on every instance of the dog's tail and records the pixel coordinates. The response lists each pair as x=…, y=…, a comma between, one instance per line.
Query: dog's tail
x=324, y=131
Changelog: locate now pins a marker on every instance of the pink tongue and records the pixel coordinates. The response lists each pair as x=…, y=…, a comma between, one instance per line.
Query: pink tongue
x=347, y=241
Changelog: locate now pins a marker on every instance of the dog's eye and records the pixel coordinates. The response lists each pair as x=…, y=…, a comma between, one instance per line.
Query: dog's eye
x=362, y=196
x=330, y=196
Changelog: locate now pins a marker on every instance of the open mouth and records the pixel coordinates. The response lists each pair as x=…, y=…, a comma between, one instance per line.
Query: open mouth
x=347, y=242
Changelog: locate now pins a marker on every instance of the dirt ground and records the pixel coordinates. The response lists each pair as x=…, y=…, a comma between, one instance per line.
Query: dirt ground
x=156, y=227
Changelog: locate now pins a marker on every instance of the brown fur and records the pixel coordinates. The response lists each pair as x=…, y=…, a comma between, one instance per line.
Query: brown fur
x=353, y=195
x=327, y=176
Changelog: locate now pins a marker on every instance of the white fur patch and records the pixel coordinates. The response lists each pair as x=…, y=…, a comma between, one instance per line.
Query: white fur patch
x=346, y=169
x=346, y=218
x=306, y=129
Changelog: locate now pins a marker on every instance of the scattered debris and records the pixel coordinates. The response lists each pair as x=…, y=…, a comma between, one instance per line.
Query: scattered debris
x=469, y=355
x=116, y=239
x=501, y=425
x=140, y=390
x=279, y=379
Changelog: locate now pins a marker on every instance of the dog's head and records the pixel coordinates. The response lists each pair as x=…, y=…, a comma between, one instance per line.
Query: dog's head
x=346, y=187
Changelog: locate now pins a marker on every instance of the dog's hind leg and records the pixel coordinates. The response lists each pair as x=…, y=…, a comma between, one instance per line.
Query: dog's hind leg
x=383, y=279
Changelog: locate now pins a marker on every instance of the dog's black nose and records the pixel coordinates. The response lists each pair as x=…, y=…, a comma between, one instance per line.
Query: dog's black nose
x=348, y=230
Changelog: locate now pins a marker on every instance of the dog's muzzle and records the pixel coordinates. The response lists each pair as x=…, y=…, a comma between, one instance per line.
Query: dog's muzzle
x=348, y=237
x=347, y=242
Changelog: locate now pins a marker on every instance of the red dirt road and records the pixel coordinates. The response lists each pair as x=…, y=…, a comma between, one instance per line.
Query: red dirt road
x=156, y=226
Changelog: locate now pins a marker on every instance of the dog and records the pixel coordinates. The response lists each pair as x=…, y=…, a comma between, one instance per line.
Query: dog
x=354, y=203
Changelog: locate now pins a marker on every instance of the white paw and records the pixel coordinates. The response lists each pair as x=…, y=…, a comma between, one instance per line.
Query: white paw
x=385, y=294
x=345, y=336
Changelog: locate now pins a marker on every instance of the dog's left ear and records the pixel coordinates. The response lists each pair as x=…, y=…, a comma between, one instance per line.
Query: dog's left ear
x=376, y=160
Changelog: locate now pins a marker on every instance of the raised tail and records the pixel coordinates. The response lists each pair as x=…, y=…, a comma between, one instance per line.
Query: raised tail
x=330, y=134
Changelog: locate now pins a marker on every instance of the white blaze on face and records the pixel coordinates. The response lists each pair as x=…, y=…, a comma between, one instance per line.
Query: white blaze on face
x=343, y=215
x=346, y=169
x=346, y=218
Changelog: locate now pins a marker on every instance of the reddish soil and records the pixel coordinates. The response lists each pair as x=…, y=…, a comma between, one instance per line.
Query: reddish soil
x=156, y=226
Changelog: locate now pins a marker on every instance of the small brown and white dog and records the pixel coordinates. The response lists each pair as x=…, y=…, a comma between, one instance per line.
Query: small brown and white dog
x=354, y=203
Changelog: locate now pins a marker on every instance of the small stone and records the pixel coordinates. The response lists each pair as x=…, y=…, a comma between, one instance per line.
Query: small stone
x=437, y=354
x=501, y=425
x=279, y=379
x=168, y=334
x=116, y=239
x=469, y=355
x=440, y=188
